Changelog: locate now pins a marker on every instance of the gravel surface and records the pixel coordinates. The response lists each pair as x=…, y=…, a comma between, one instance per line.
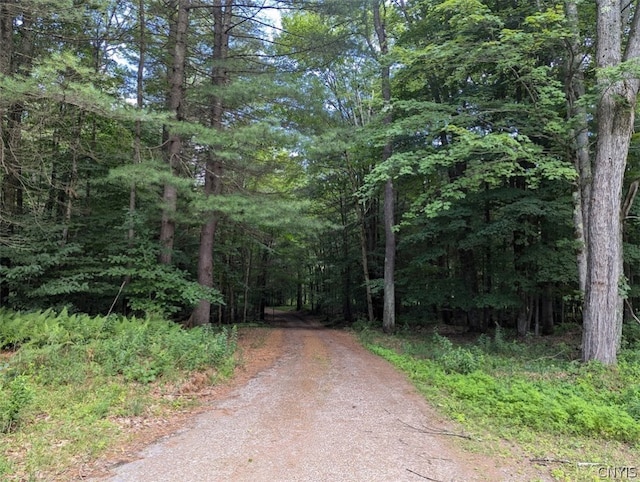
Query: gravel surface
x=327, y=410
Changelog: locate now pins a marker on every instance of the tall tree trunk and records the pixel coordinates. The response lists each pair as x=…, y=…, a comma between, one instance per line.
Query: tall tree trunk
x=389, y=313
x=546, y=310
x=262, y=282
x=18, y=59
x=6, y=34
x=299, y=297
x=247, y=277
x=71, y=186
x=615, y=114
x=365, y=262
x=13, y=59
x=577, y=115
x=173, y=141
x=346, y=264
x=222, y=15
x=362, y=229
x=487, y=278
x=213, y=185
x=389, y=309
x=7, y=162
x=137, y=143
x=469, y=273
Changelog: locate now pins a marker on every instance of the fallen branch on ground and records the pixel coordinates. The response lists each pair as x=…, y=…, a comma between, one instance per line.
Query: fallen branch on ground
x=423, y=476
x=434, y=431
x=563, y=461
x=550, y=461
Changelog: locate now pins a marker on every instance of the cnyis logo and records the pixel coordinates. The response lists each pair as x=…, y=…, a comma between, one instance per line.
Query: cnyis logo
x=608, y=472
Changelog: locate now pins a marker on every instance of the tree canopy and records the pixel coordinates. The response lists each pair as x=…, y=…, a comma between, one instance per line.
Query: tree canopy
x=465, y=162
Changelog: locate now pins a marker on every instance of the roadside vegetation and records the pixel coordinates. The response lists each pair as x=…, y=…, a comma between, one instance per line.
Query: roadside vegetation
x=575, y=418
x=68, y=383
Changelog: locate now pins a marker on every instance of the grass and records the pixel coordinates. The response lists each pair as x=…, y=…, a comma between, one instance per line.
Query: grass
x=69, y=383
x=577, y=417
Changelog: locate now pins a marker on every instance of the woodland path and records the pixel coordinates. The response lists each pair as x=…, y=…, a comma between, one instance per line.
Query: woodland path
x=325, y=410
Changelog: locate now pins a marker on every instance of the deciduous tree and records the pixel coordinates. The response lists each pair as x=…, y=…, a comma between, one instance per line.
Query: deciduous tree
x=618, y=84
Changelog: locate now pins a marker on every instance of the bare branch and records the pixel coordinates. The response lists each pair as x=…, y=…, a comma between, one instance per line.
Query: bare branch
x=434, y=431
x=423, y=476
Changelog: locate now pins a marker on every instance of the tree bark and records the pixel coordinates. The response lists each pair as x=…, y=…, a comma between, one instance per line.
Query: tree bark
x=16, y=56
x=603, y=307
x=346, y=265
x=299, y=296
x=6, y=41
x=389, y=308
x=577, y=115
x=173, y=142
x=247, y=277
x=202, y=313
x=7, y=160
x=546, y=309
x=222, y=15
x=364, y=251
x=262, y=282
x=6, y=34
x=72, y=182
x=137, y=143
x=365, y=262
x=389, y=313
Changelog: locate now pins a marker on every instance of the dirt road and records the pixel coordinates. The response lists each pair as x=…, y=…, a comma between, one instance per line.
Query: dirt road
x=327, y=410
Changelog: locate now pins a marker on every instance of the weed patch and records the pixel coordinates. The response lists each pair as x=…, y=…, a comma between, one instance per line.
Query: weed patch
x=16, y=395
x=514, y=386
x=70, y=376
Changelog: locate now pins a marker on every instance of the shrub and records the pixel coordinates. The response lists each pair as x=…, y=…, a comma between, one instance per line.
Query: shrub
x=451, y=359
x=631, y=336
x=15, y=397
x=460, y=360
x=631, y=400
x=155, y=289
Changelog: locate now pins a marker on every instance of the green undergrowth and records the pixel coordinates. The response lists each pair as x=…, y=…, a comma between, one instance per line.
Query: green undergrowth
x=67, y=382
x=532, y=391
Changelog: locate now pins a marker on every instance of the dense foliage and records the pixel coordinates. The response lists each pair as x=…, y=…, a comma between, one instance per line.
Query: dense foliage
x=88, y=120
x=72, y=379
x=160, y=159
x=524, y=390
x=198, y=161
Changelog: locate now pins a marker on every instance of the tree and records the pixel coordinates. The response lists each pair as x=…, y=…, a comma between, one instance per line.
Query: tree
x=351, y=139
x=222, y=17
x=137, y=147
x=178, y=28
x=618, y=90
x=389, y=312
x=7, y=164
x=477, y=130
x=579, y=134
x=451, y=124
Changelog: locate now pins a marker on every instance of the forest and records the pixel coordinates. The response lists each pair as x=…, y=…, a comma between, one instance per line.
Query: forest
x=467, y=162
x=453, y=181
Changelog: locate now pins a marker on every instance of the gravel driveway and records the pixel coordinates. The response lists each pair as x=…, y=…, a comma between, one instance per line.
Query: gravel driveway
x=327, y=410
